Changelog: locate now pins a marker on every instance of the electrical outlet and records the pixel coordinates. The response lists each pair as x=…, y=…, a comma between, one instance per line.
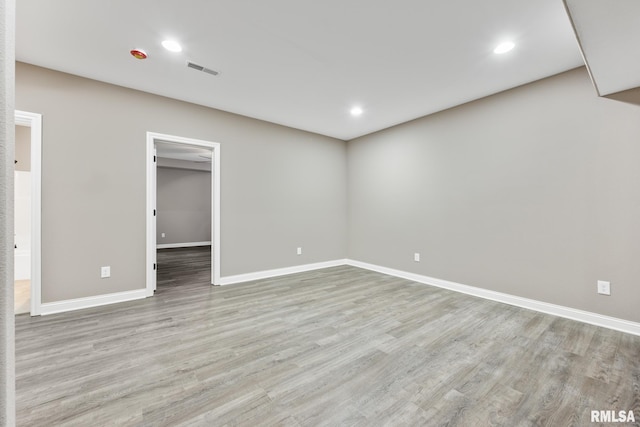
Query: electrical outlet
x=299, y=251
x=604, y=288
x=416, y=257
x=105, y=272
x=163, y=235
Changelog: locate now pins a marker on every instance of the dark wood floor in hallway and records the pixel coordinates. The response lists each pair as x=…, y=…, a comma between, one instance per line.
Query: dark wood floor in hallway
x=183, y=266
x=338, y=346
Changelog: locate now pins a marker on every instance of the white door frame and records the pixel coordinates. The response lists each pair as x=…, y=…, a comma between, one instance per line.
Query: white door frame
x=152, y=138
x=34, y=121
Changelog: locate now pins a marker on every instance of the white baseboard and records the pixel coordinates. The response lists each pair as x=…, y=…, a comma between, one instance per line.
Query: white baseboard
x=88, y=302
x=182, y=245
x=229, y=280
x=556, y=310
x=543, y=307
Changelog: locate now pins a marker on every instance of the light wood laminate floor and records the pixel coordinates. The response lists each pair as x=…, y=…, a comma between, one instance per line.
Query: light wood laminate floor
x=22, y=296
x=339, y=346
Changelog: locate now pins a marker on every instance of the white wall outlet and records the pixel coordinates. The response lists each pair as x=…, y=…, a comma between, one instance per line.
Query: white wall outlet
x=604, y=288
x=299, y=251
x=416, y=257
x=105, y=272
x=163, y=235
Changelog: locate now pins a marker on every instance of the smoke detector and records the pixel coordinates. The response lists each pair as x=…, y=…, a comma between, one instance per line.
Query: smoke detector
x=138, y=53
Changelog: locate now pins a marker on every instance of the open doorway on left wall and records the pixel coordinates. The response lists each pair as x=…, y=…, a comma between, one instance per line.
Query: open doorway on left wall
x=22, y=221
x=27, y=214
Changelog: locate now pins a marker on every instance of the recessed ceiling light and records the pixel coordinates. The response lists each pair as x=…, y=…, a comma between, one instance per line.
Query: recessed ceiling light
x=172, y=45
x=356, y=111
x=504, y=47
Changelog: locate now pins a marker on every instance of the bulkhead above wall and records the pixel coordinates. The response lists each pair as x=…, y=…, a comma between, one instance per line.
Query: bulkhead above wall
x=164, y=162
x=183, y=156
x=609, y=35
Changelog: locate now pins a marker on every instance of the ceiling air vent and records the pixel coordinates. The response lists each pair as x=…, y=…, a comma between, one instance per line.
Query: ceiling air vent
x=201, y=68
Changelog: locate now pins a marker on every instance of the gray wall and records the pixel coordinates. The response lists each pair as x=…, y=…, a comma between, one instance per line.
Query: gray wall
x=280, y=188
x=184, y=206
x=533, y=192
x=23, y=148
x=7, y=157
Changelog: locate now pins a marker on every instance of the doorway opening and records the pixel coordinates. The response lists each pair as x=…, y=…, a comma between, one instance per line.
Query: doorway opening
x=176, y=228
x=27, y=215
x=22, y=221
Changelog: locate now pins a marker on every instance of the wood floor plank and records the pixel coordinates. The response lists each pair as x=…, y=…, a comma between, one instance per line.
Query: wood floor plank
x=338, y=346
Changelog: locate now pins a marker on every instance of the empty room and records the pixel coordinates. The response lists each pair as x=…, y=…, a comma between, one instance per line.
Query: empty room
x=330, y=213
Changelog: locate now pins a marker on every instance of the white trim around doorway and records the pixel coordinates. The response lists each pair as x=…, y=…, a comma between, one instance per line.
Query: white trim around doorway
x=34, y=121
x=152, y=138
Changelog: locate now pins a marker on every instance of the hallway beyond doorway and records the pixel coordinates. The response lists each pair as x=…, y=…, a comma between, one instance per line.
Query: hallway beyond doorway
x=178, y=267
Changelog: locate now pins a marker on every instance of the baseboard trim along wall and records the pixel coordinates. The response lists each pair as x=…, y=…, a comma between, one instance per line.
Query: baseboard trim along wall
x=229, y=280
x=88, y=302
x=182, y=245
x=543, y=307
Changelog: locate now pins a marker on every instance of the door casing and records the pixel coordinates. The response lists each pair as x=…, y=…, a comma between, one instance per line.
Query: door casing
x=152, y=138
x=34, y=121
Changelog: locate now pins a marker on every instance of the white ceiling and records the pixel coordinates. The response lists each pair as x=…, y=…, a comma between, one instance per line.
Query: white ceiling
x=609, y=34
x=305, y=63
